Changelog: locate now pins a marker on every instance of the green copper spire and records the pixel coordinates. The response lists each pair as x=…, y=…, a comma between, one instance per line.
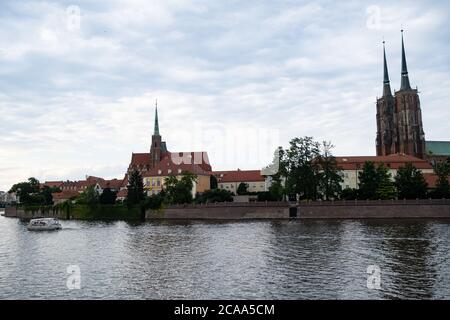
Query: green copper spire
x=386, y=83
x=405, y=78
x=156, y=130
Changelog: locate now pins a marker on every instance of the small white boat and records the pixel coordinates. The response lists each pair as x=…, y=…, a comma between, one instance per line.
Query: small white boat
x=44, y=224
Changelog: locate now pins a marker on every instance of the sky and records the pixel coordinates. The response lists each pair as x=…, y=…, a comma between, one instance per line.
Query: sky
x=79, y=79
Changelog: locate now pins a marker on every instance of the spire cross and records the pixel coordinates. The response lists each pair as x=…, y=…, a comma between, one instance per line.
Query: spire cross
x=386, y=83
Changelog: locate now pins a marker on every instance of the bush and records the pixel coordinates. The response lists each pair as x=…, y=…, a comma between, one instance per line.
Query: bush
x=154, y=202
x=267, y=196
x=215, y=195
x=349, y=194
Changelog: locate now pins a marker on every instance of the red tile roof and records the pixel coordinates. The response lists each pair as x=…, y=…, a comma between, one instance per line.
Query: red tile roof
x=168, y=167
x=52, y=184
x=122, y=193
x=200, y=158
x=431, y=179
x=112, y=184
x=125, y=181
x=393, y=161
x=239, y=176
x=64, y=195
x=90, y=181
x=140, y=159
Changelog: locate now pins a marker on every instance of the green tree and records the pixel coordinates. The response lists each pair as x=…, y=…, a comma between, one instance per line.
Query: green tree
x=330, y=176
x=442, y=171
x=410, y=183
x=179, y=191
x=89, y=197
x=28, y=192
x=135, y=189
x=108, y=196
x=242, y=189
x=276, y=189
x=214, y=195
x=276, y=171
x=385, y=187
x=154, y=202
x=349, y=194
x=299, y=167
x=46, y=194
x=375, y=183
x=368, y=181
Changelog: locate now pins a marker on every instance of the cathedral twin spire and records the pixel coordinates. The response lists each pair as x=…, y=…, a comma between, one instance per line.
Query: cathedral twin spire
x=399, y=118
x=156, y=129
x=386, y=83
x=405, y=78
x=405, y=85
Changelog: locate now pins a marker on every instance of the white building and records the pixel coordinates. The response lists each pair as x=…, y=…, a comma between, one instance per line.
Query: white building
x=352, y=166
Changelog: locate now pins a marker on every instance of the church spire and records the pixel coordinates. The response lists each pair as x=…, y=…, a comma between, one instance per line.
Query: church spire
x=405, y=85
x=386, y=83
x=156, y=130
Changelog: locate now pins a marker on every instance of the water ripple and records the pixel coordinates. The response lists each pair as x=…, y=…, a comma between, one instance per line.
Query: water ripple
x=233, y=260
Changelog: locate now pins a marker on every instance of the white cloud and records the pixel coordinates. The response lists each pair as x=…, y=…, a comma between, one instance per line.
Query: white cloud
x=76, y=102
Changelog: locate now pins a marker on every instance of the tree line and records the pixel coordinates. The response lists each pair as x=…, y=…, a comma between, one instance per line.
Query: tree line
x=307, y=170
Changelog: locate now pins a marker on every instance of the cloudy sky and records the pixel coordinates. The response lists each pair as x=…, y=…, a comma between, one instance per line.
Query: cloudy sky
x=79, y=79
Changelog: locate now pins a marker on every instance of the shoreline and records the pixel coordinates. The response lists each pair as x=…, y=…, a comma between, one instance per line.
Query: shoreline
x=354, y=210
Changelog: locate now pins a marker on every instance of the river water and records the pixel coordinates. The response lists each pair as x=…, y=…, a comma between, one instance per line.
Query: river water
x=324, y=259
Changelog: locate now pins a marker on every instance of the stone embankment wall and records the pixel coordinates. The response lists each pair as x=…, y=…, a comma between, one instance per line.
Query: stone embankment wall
x=14, y=212
x=432, y=209
x=223, y=211
x=373, y=209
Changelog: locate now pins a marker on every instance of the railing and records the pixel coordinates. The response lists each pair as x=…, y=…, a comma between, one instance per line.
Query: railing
x=314, y=203
x=232, y=204
x=376, y=202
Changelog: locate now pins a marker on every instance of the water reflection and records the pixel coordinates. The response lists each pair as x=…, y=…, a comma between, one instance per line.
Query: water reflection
x=230, y=260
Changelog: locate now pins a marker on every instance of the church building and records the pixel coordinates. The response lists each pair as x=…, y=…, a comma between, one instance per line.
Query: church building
x=160, y=163
x=399, y=117
x=399, y=120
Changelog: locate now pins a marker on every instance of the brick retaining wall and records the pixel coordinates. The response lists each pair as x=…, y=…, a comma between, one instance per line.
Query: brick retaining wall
x=310, y=210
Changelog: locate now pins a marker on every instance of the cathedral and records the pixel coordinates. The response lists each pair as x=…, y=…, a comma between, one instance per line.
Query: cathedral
x=399, y=117
x=159, y=156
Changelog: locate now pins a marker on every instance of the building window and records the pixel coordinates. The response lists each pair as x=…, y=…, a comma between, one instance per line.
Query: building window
x=158, y=182
x=169, y=171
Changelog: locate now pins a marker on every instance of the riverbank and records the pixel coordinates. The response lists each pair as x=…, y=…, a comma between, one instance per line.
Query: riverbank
x=371, y=209
x=77, y=212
